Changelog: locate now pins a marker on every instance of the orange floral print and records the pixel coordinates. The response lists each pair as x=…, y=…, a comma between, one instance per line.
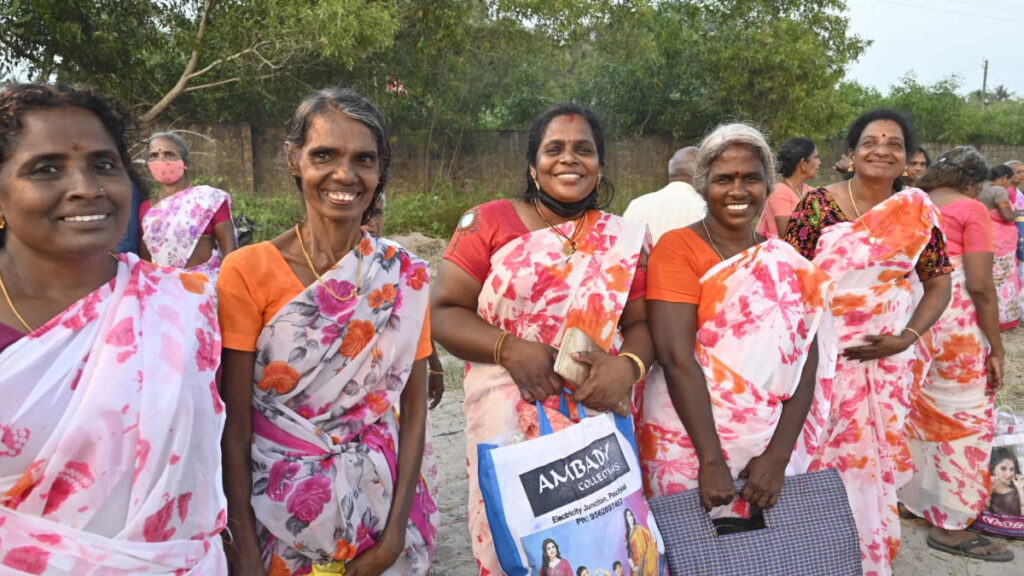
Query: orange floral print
x=358, y=335
x=280, y=377
x=194, y=282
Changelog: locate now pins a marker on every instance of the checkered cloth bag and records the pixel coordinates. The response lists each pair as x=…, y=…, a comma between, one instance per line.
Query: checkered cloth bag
x=810, y=531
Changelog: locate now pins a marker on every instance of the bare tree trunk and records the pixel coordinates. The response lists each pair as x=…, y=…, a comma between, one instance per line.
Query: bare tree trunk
x=187, y=74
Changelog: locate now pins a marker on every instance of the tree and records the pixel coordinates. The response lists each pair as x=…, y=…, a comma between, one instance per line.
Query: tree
x=155, y=54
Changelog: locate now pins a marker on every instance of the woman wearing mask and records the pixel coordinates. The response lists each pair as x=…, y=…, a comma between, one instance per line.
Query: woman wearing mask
x=186, y=226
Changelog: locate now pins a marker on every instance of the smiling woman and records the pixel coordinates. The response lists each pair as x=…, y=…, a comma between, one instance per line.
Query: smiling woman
x=714, y=412
x=519, y=273
x=876, y=242
x=326, y=332
x=92, y=347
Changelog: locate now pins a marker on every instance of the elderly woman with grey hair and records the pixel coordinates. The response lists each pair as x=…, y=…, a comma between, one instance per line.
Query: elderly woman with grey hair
x=185, y=226
x=716, y=291
x=326, y=337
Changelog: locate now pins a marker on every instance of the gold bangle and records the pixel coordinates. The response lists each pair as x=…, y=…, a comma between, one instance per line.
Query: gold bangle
x=438, y=372
x=497, y=346
x=639, y=363
x=915, y=332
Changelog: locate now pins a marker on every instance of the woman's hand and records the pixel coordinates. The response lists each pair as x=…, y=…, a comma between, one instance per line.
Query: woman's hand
x=879, y=346
x=532, y=366
x=376, y=559
x=610, y=380
x=993, y=373
x=715, y=484
x=1018, y=482
x=764, y=475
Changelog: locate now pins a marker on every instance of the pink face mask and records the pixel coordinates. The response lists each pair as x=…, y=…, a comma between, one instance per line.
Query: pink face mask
x=167, y=171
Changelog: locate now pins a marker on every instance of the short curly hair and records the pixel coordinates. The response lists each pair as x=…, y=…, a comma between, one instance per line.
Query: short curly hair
x=721, y=139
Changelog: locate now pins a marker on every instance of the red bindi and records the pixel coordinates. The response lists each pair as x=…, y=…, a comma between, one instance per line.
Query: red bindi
x=736, y=174
x=571, y=118
x=76, y=147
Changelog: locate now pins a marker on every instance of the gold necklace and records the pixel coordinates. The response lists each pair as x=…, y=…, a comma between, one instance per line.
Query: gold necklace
x=359, y=271
x=849, y=189
x=569, y=246
x=704, y=223
x=10, y=305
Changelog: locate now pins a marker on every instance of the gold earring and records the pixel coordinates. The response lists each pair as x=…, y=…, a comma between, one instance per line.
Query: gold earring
x=535, y=183
x=600, y=175
x=905, y=173
x=3, y=222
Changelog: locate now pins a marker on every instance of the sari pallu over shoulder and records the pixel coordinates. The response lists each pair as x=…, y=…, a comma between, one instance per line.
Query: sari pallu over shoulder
x=536, y=293
x=104, y=403
x=172, y=227
x=758, y=315
x=870, y=260
x=950, y=422
x=329, y=376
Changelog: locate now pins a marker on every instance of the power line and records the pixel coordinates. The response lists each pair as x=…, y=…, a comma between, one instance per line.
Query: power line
x=945, y=11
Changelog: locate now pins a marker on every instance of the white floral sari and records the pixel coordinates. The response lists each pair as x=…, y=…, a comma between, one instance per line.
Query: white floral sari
x=329, y=375
x=172, y=227
x=110, y=424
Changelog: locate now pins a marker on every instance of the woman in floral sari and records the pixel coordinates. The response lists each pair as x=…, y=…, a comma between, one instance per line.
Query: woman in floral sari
x=108, y=363
x=326, y=336
x=1000, y=197
x=950, y=421
x=717, y=293
x=870, y=239
x=518, y=273
x=188, y=226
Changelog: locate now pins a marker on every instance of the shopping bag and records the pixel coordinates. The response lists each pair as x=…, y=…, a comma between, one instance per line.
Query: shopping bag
x=570, y=499
x=809, y=532
x=1003, y=514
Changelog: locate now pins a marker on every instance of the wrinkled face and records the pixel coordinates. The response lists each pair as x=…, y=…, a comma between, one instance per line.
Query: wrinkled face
x=1004, y=471
x=567, y=163
x=551, y=550
x=916, y=166
x=64, y=190
x=338, y=167
x=881, y=151
x=736, y=187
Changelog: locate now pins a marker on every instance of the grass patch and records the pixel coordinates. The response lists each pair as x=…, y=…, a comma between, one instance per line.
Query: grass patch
x=434, y=213
x=271, y=214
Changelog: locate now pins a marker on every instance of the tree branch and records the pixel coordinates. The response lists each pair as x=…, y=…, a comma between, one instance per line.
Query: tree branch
x=179, y=87
x=227, y=81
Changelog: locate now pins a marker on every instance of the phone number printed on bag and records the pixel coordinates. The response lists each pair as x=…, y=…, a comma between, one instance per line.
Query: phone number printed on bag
x=578, y=475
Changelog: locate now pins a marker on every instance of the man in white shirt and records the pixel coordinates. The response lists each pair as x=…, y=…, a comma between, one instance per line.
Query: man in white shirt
x=674, y=206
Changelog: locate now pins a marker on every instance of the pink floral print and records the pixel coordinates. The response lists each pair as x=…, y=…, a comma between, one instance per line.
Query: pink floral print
x=172, y=227
x=328, y=378
x=90, y=398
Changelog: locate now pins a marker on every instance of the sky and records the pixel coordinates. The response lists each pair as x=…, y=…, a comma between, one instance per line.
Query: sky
x=937, y=38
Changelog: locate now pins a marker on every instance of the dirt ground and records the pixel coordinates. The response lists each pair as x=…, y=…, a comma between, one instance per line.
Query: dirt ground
x=454, y=556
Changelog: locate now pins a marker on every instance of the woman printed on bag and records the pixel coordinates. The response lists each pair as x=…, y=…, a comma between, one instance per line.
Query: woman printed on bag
x=717, y=291
x=519, y=272
x=326, y=333
x=641, y=549
x=1007, y=483
x=552, y=563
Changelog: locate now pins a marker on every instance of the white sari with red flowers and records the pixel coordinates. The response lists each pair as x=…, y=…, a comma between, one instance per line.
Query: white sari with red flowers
x=110, y=461
x=870, y=260
x=172, y=227
x=536, y=293
x=758, y=314
x=329, y=376
x=950, y=424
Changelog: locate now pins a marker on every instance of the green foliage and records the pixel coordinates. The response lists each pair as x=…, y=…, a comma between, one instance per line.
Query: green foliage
x=942, y=115
x=272, y=214
x=434, y=213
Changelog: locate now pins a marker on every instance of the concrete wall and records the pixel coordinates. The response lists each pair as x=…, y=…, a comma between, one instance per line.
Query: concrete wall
x=250, y=160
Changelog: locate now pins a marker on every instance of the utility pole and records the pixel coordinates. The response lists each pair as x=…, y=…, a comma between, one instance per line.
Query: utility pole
x=984, y=83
